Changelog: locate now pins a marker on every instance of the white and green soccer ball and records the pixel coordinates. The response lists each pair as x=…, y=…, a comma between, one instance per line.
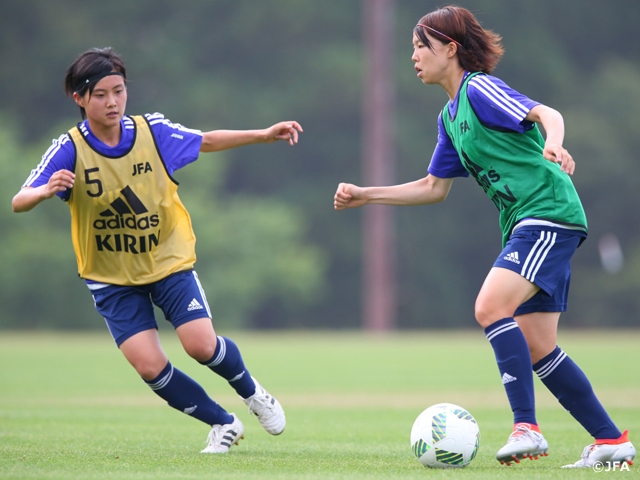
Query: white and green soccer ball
x=445, y=435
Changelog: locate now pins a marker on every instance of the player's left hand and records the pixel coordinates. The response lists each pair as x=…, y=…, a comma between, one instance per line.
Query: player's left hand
x=558, y=154
x=283, y=131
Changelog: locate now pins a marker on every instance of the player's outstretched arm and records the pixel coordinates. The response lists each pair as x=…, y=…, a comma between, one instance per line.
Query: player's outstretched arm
x=217, y=140
x=349, y=196
x=27, y=198
x=427, y=190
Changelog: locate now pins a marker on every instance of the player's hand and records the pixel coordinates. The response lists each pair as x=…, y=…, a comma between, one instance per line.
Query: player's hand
x=349, y=196
x=283, y=131
x=58, y=182
x=557, y=154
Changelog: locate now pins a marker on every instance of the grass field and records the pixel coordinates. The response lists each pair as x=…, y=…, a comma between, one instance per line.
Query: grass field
x=72, y=408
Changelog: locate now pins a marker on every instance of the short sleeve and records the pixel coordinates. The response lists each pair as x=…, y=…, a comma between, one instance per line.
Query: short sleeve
x=177, y=144
x=498, y=106
x=445, y=161
x=59, y=156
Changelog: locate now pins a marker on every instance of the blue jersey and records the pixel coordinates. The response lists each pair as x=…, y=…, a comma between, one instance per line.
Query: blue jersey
x=178, y=146
x=496, y=105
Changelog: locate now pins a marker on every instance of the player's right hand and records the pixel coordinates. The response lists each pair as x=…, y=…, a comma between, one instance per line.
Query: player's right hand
x=59, y=182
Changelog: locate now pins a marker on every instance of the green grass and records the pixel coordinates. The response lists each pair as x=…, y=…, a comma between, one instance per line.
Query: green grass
x=72, y=408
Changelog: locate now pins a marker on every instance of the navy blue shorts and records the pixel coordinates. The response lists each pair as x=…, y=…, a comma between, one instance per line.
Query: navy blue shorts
x=129, y=310
x=542, y=255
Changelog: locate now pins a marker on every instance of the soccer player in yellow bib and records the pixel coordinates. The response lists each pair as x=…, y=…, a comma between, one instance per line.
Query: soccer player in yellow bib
x=489, y=131
x=133, y=240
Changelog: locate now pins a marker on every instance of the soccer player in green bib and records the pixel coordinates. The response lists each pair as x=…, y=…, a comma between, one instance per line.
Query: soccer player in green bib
x=490, y=131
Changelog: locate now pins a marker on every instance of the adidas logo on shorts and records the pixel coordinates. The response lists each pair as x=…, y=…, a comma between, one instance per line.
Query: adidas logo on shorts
x=512, y=257
x=194, y=305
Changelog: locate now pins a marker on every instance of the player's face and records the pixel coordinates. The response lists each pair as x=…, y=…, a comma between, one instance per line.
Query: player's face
x=105, y=106
x=430, y=63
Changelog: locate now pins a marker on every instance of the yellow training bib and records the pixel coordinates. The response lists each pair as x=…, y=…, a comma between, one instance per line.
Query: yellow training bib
x=128, y=225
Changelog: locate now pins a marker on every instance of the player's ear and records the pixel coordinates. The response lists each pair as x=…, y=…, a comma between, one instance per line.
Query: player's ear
x=78, y=99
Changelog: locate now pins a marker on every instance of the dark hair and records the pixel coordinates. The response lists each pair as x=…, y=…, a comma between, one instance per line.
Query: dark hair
x=479, y=50
x=89, y=68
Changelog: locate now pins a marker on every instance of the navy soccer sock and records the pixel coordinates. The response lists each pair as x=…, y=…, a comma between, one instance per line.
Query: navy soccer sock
x=227, y=362
x=573, y=390
x=185, y=394
x=514, y=362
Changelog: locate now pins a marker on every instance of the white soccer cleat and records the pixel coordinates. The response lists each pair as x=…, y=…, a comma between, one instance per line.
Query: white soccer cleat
x=267, y=409
x=524, y=442
x=606, y=454
x=221, y=437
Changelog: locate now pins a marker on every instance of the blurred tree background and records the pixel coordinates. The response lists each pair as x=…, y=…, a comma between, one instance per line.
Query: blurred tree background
x=272, y=253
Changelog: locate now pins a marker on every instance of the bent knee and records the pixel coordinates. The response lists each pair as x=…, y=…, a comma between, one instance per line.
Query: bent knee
x=200, y=351
x=487, y=314
x=149, y=370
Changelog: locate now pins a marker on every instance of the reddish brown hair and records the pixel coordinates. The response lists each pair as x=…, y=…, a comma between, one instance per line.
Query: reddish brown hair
x=479, y=50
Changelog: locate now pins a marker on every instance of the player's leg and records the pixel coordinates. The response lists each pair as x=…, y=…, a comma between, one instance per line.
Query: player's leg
x=501, y=294
x=568, y=383
x=540, y=329
x=144, y=352
x=184, y=304
x=129, y=315
x=220, y=354
x=181, y=391
x=197, y=336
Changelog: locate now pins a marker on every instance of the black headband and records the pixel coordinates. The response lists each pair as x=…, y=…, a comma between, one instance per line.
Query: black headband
x=95, y=78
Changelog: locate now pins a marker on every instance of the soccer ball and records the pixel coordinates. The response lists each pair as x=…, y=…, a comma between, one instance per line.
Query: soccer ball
x=445, y=435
